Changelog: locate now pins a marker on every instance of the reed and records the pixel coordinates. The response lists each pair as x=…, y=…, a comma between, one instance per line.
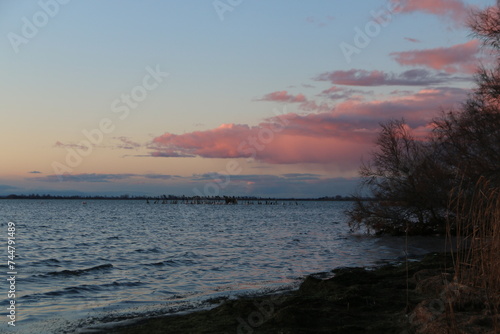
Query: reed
x=475, y=218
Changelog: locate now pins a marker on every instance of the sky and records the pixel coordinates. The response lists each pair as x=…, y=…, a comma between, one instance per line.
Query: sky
x=279, y=98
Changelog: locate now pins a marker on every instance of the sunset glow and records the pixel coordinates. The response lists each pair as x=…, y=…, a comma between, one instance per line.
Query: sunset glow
x=278, y=99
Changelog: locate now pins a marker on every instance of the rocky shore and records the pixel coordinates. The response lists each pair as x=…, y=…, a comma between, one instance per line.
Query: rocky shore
x=413, y=297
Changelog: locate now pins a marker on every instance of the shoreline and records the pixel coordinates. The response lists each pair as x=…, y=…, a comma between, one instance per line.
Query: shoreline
x=387, y=298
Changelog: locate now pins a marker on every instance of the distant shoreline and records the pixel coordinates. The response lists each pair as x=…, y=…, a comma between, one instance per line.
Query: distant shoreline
x=180, y=198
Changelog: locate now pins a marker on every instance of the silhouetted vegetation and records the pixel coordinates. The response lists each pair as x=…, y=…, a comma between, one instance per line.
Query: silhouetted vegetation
x=449, y=181
x=415, y=179
x=409, y=182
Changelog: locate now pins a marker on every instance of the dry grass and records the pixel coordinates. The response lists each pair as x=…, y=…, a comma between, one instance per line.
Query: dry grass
x=475, y=217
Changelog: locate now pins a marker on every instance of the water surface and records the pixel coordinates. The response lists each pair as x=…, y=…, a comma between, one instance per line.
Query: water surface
x=85, y=264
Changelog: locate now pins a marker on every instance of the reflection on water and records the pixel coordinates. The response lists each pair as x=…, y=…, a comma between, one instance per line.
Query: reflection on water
x=83, y=264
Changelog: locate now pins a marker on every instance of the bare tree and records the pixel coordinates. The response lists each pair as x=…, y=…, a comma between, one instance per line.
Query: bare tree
x=406, y=181
x=412, y=180
x=471, y=135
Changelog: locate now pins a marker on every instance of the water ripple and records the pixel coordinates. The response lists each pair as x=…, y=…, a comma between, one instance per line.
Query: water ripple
x=110, y=259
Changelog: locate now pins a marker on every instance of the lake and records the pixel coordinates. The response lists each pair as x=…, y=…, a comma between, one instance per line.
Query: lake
x=80, y=265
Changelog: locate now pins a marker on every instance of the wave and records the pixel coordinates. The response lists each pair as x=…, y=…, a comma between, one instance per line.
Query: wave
x=149, y=250
x=172, y=263
x=78, y=272
x=79, y=289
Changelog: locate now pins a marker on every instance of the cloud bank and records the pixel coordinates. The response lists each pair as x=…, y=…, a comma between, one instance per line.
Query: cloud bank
x=460, y=58
x=339, y=136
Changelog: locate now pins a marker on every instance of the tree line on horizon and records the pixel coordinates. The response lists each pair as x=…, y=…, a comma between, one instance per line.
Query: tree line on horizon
x=177, y=197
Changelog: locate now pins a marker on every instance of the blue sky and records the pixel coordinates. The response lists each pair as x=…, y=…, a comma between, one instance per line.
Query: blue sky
x=227, y=79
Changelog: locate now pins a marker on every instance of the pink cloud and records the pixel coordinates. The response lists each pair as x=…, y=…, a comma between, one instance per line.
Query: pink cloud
x=413, y=40
x=332, y=90
x=417, y=109
x=293, y=149
x=338, y=136
x=455, y=10
x=127, y=143
x=314, y=138
x=63, y=145
x=457, y=58
x=216, y=143
x=338, y=93
x=283, y=96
